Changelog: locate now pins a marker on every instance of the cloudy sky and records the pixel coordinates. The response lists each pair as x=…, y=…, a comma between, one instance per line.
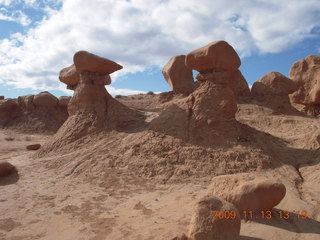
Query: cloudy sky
x=39, y=37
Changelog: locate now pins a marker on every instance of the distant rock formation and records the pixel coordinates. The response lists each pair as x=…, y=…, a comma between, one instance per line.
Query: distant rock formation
x=306, y=73
x=33, y=113
x=205, y=224
x=272, y=91
x=246, y=192
x=178, y=75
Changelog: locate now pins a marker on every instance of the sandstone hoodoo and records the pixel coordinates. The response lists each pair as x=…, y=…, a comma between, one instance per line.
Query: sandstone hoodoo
x=206, y=223
x=178, y=75
x=306, y=73
x=214, y=98
x=45, y=99
x=272, y=90
x=246, y=192
x=91, y=109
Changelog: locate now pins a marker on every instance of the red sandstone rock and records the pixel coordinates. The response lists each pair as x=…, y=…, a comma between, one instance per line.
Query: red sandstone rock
x=178, y=76
x=306, y=72
x=6, y=169
x=26, y=103
x=203, y=226
x=85, y=61
x=69, y=75
x=247, y=192
x=45, y=99
x=216, y=55
x=33, y=146
x=274, y=83
x=8, y=105
x=63, y=101
x=1, y=97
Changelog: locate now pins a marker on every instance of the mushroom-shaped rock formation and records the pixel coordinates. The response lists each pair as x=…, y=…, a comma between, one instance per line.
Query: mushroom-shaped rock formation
x=91, y=109
x=45, y=99
x=214, y=98
x=272, y=91
x=246, y=192
x=306, y=73
x=178, y=75
x=85, y=61
x=71, y=77
x=216, y=55
x=206, y=223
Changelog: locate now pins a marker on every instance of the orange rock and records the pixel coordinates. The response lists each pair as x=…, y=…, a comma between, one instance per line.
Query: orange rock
x=85, y=61
x=306, y=72
x=247, y=192
x=274, y=83
x=203, y=225
x=216, y=55
x=69, y=75
x=33, y=146
x=178, y=75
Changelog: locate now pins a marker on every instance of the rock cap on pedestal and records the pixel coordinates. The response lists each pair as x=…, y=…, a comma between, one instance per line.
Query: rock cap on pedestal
x=216, y=55
x=85, y=61
x=69, y=75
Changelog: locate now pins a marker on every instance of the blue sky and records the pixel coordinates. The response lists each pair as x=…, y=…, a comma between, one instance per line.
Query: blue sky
x=39, y=37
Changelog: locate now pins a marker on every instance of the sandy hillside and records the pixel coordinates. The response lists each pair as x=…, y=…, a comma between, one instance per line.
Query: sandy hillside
x=89, y=194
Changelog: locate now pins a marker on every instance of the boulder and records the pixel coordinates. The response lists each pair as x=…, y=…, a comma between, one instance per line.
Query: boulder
x=6, y=168
x=26, y=103
x=69, y=75
x=85, y=61
x=306, y=72
x=63, y=101
x=178, y=75
x=45, y=99
x=205, y=225
x=274, y=83
x=246, y=192
x=33, y=147
x=216, y=55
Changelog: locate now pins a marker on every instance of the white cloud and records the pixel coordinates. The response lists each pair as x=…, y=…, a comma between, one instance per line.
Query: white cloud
x=142, y=33
x=15, y=16
x=5, y=2
x=113, y=91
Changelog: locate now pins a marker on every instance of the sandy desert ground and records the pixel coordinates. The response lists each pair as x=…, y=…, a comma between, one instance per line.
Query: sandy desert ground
x=43, y=202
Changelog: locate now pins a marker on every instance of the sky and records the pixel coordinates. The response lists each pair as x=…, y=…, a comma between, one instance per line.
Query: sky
x=39, y=37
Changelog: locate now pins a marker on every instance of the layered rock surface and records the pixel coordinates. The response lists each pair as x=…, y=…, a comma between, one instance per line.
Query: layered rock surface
x=42, y=112
x=306, y=73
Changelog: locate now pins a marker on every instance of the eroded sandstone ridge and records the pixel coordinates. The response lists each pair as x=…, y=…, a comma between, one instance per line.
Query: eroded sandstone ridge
x=42, y=112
